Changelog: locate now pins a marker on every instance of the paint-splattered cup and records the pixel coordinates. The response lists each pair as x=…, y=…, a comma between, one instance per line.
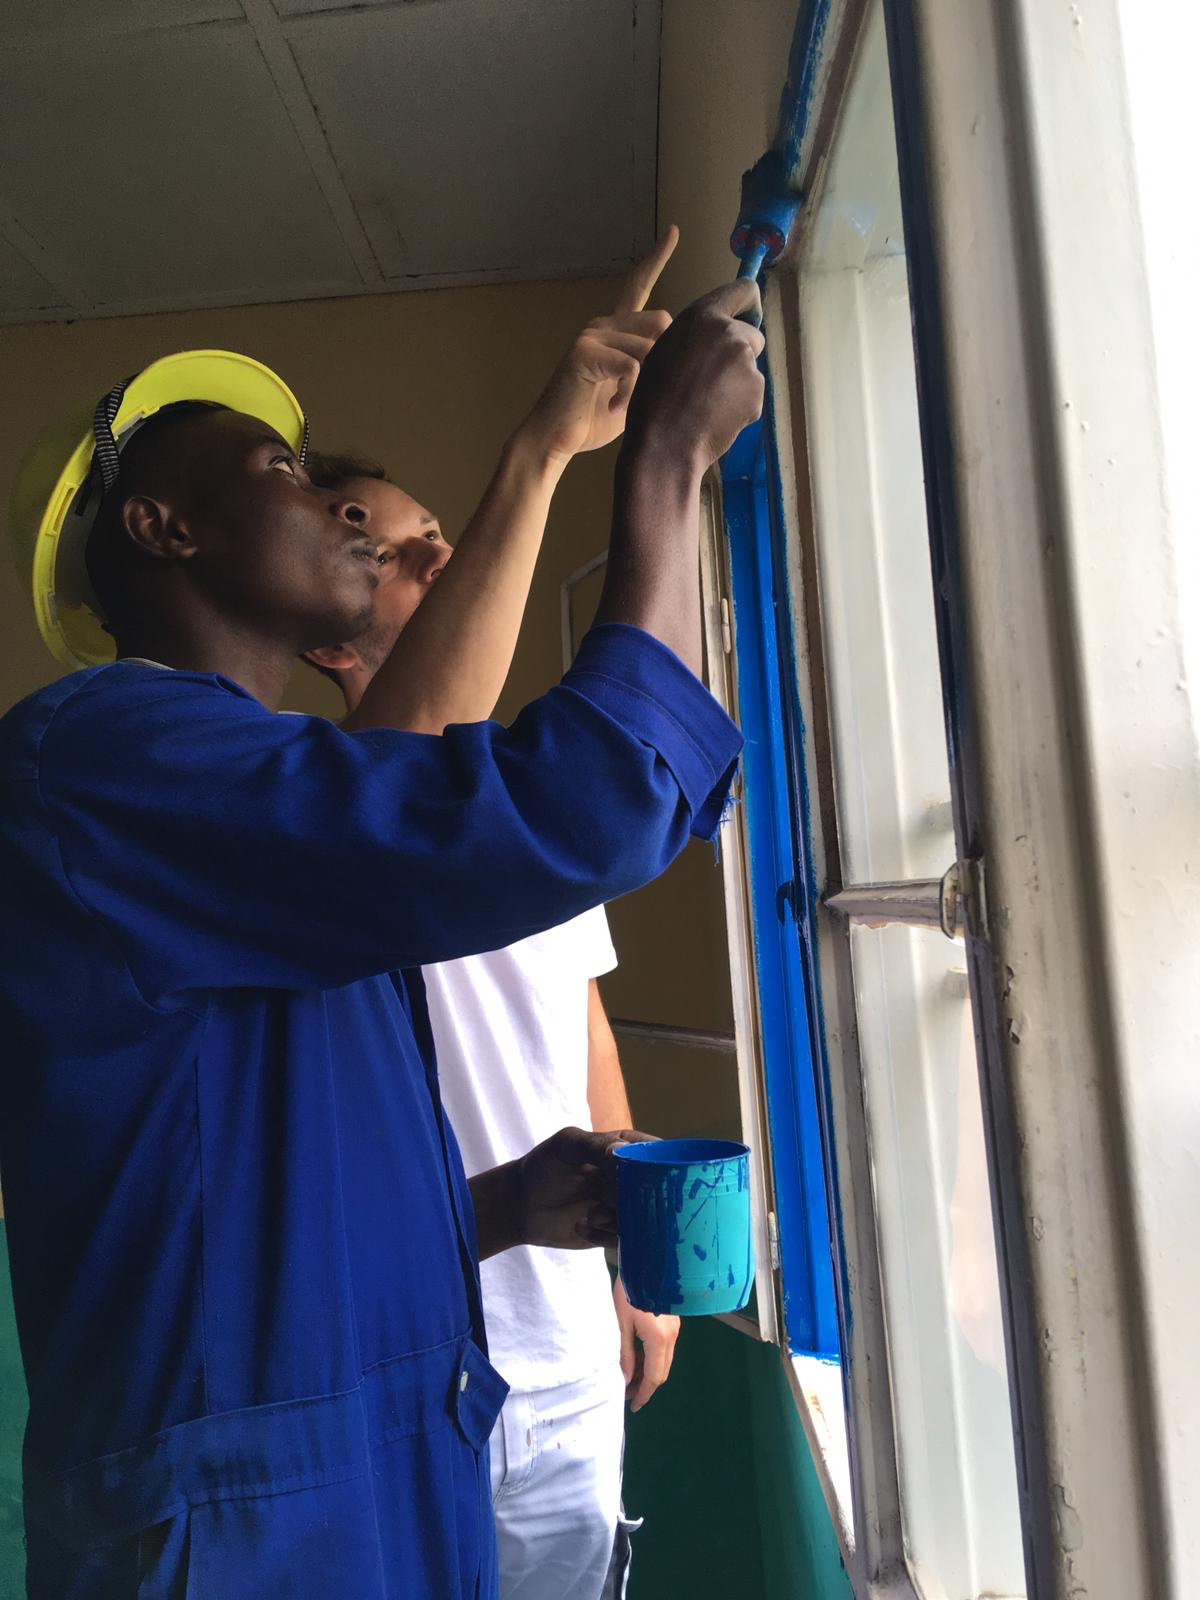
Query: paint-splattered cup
x=683, y=1225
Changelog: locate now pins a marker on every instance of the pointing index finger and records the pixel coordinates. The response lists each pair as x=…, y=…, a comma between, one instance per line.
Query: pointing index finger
x=639, y=285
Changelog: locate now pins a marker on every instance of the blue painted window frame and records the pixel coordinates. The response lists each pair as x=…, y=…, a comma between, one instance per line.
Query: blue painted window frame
x=783, y=896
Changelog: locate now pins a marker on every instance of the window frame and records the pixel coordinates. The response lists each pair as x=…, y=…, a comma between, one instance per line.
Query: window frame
x=876, y=1558
x=1015, y=257
x=779, y=891
x=741, y=641
x=1018, y=256
x=786, y=840
x=782, y=517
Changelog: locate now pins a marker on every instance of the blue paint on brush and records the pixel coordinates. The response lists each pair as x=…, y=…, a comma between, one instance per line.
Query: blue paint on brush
x=768, y=209
x=771, y=195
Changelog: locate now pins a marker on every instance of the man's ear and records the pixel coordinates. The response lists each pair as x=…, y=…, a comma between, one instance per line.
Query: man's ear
x=336, y=656
x=155, y=529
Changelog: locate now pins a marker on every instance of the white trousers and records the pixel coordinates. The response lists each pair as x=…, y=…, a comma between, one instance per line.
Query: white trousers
x=556, y=1489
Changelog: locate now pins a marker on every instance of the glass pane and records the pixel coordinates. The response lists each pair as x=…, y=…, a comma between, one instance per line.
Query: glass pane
x=940, y=1284
x=893, y=788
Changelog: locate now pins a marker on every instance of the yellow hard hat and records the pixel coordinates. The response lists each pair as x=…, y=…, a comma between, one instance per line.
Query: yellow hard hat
x=63, y=479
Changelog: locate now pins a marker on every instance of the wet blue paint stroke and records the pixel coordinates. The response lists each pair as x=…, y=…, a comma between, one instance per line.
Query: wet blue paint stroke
x=796, y=101
x=777, y=820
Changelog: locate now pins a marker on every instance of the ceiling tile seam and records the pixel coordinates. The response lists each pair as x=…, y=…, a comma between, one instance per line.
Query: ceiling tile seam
x=647, y=87
x=293, y=91
x=37, y=41
x=219, y=300
x=44, y=262
x=351, y=8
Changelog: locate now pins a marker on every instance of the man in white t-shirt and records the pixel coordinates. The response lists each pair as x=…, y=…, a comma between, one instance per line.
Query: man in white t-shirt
x=512, y=1036
x=522, y=1039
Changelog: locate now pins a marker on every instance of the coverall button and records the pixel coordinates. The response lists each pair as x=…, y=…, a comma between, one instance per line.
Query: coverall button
x=463, y=1382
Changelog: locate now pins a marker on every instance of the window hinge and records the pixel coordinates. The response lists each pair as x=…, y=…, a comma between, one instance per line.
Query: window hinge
x=773, y=1240
x=726, y=631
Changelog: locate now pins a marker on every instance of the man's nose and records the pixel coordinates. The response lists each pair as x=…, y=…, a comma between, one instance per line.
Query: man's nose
x=434, y=558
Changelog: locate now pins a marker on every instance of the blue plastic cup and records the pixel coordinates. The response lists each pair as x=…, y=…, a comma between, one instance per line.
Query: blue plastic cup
x=683, y=1225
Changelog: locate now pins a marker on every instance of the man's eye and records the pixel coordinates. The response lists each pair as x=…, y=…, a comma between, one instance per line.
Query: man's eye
x=433, y=535
x=385, y=556
x=284, y=461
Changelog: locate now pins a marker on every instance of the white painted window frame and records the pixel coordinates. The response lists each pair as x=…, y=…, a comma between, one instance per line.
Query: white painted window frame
x=1073, y=562
x=1085, y=959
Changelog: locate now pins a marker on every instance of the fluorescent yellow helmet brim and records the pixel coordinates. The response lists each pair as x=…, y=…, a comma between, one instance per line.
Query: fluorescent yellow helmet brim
x=49, y=522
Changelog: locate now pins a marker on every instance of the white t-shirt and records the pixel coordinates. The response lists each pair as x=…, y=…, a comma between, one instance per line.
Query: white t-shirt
x=512, y=1046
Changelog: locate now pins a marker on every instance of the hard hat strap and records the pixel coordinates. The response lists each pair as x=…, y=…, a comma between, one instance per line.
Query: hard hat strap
x=107, y=455
x=106, y=444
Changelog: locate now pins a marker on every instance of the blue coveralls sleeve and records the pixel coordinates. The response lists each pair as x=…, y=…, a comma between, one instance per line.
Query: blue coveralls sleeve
x=222, y=846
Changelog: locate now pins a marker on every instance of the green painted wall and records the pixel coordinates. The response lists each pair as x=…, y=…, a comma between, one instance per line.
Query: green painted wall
x=12, y=1426
x=719, y=1466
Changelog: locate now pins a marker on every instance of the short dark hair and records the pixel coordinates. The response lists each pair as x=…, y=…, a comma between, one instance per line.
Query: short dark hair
x=107, y=552
x=328, y=471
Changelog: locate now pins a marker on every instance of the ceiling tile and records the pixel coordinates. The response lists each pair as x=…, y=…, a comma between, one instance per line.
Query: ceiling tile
x=22, y=288
x=162, y=169
x=108, y=16
x=482, y=135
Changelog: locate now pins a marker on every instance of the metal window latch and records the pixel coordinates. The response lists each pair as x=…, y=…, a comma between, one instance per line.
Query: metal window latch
x=956, y=902
x=773, y=1240
x=961, y=904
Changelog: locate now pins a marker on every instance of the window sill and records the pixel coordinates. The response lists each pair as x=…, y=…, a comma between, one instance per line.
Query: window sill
x=817, y=1389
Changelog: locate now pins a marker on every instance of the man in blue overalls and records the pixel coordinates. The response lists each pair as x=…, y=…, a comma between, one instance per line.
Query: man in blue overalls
x=244, y=1254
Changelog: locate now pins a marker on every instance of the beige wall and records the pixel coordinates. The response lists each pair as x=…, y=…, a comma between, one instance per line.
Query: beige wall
x=431, y=383
x=723, y=68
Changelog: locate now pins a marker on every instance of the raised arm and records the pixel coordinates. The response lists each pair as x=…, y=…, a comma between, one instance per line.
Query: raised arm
x=450, y=663
x=243, y=848
x=698, y=388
